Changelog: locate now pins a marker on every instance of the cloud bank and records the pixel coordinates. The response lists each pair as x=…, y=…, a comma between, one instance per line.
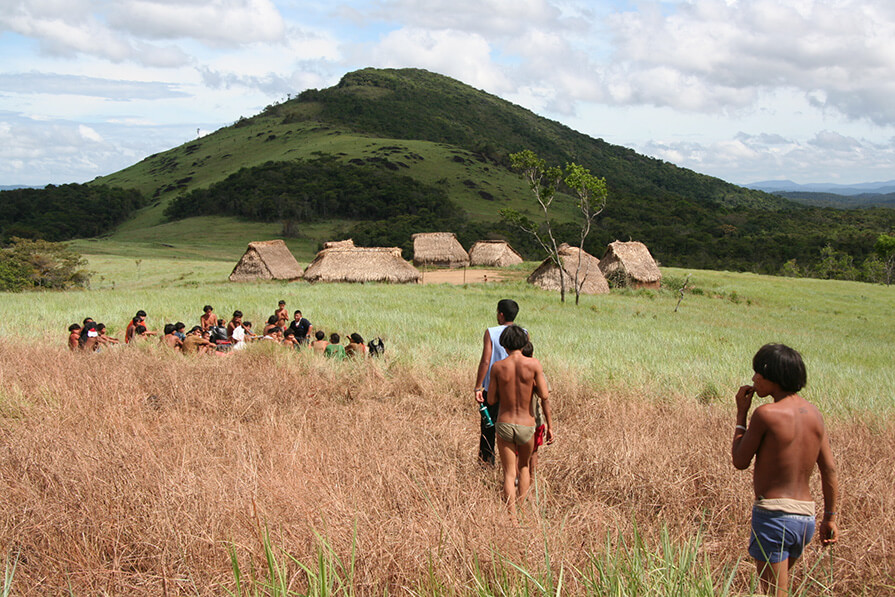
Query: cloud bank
x=744, y=90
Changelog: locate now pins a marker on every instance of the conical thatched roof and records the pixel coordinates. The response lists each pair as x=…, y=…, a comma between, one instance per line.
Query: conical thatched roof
x=630, y=264
x=361, y=264
x=441, y=249
x=266, y=260
x=590, y=277
x=494, y=253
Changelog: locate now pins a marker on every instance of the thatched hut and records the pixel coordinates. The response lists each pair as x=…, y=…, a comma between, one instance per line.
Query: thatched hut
x=590, y=278
x=361, y=264
x=266, y=260
x=438, y=249
x=494, y=253
x=630, y=264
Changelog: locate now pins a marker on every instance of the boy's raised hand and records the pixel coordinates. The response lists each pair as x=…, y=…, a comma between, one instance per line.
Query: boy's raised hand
x=744, y=398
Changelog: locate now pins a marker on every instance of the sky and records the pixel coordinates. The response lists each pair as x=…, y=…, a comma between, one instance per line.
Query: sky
x=745, y=90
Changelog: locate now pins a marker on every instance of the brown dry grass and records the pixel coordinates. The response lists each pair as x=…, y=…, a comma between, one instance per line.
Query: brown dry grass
x=131, y=471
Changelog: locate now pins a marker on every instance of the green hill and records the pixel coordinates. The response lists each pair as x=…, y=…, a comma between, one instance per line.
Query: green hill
x=454, y=141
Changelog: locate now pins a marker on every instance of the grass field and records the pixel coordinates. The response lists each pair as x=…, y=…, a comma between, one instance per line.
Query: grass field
x=166, y=475
x=630, y=340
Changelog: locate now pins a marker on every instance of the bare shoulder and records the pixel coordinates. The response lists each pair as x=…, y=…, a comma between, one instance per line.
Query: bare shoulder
x=533, y=363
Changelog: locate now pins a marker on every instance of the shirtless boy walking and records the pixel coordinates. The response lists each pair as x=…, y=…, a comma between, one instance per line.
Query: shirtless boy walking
x=514, y=380
x=787, y=438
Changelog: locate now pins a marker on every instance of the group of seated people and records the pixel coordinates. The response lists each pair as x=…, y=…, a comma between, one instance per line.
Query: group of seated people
x=213, y=336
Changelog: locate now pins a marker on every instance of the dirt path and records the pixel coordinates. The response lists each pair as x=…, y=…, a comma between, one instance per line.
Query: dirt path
x=463, y=276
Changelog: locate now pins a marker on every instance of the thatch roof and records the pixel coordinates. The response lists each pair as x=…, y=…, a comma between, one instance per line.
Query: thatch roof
x=440, y=249
x=495, y=253
x=339, y=244
x=591, y=278
x=630, y=264
x=361, y=264
x=266, y=260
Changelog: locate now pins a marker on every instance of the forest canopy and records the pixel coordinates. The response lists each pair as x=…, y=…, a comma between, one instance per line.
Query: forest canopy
x=64, y=212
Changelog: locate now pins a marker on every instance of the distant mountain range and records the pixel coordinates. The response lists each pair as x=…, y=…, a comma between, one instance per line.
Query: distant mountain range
x=788, y=186
x=840, y=196
x=13, y=187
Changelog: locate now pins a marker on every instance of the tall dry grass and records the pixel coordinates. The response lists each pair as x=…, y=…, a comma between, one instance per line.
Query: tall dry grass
x=137, y=472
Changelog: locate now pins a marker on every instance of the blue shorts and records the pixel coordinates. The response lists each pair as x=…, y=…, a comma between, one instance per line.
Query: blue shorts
x=778, y=536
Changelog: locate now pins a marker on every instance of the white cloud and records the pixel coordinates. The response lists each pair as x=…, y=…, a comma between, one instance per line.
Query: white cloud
x=490, y=18
x=121, y=90
x=453, y=53
x=217, y=22
x=89, y=134
x=751, y=158
x=845, y=50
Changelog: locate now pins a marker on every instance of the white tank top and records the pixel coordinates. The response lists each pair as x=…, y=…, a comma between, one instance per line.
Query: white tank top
x=498, y=352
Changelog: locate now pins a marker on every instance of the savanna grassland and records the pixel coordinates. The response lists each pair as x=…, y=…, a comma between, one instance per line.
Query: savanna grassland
x=135, y=471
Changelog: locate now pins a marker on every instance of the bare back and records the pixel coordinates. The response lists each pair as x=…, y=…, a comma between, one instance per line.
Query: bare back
x=791, y=437
x=513, y=380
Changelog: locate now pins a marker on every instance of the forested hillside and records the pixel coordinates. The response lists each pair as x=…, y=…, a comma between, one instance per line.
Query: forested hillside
x=63, y=212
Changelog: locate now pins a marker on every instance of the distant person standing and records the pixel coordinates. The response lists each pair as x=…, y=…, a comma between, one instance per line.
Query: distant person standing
x=787, y=438
x=492, y=352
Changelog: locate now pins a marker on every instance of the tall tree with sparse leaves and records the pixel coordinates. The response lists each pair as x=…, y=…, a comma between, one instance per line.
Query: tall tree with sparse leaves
x=592, y=195
x=544, y=181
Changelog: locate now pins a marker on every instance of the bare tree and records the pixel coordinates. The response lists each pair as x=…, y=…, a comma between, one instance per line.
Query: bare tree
x=544, y=181
x=592, y=195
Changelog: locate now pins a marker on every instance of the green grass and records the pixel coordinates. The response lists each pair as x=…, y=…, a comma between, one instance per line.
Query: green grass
x=630, y=341
x=212, y=238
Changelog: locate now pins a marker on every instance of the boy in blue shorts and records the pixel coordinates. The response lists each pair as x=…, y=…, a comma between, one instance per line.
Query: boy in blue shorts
x=787, y=438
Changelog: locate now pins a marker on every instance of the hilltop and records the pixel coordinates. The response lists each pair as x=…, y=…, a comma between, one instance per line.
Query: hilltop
x=454, y=140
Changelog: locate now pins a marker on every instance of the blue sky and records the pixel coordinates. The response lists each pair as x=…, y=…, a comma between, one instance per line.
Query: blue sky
x=743, y=90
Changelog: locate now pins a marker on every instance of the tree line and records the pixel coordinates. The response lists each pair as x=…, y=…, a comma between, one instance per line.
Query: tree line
x=64, y=212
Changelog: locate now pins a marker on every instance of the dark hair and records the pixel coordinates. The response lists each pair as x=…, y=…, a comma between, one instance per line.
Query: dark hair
x=513, y=338
x=87, y=319
x=237, y=313
x=100, y=326
x=282, y=302
x=179, y=326
x=139, y=330
x=319, y=335
x=136, y=319
x=509, y=308
x=782, y=365
x=528, y=350
x=334, y=338
x=74, y=326
x=169, y=328
x=288, y=333
x=195, y=328
x=141, y=313
x=297, y=312
x=272, y=320
x=221, y=322
x=246, y=324
x=207, y=308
